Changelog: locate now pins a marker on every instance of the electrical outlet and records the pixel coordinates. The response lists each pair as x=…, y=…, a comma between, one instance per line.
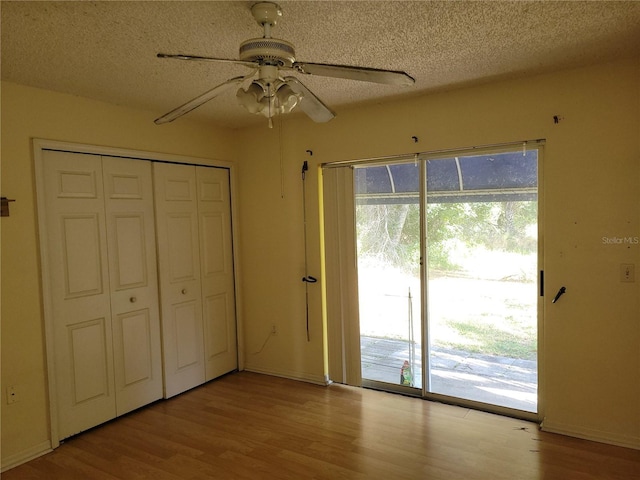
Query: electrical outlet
x=12, y=396
x=627, y=272
x=274, y=330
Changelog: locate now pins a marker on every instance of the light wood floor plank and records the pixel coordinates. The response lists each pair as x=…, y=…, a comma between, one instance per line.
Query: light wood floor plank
x=250, y=426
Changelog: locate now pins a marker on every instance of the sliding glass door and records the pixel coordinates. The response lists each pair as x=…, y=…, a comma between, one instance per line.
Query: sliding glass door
x=389, y=286
x=447, y=257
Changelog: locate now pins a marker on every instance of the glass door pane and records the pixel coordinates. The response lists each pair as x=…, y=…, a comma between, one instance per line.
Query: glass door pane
x=479, y=276
x=482, y=252
x=388, y=249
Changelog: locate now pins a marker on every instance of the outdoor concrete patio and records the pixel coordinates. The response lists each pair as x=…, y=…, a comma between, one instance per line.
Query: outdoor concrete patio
x=490, y=379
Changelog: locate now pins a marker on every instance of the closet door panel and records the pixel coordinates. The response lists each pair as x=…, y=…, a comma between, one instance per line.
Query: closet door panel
x=88, y=347
x=133, y=280
x=82, y=259
x=216, y=314
x=130, y=251
x=135, y=332
x=182, y=243
x=179, y=267
x=213, y=236
x=214, y=211
x=76, y=247
x=187, y=334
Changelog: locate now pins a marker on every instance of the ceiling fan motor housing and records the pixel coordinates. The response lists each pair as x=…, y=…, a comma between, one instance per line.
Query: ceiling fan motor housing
x=268, y=51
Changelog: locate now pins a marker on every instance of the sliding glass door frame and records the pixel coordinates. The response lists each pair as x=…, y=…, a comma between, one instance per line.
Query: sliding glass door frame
x=424, y=259
x=348, y=304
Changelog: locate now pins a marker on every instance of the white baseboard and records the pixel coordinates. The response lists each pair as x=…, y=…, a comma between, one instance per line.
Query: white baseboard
x=290, y=374
x=621, y=440
x=26, y=455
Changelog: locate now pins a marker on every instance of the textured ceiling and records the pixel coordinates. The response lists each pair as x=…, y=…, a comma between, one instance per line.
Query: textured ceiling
x=106, y=50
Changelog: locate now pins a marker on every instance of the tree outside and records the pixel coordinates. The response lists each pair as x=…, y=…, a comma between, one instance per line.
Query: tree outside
x=482, y=265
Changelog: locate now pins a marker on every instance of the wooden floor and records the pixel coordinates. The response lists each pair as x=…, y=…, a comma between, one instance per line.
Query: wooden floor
x=250, y=426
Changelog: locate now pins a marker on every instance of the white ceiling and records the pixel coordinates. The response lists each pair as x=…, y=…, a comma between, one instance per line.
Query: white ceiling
x=106, y=50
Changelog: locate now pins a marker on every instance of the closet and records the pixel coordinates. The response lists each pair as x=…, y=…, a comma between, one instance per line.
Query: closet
x=137, y=307
x=102, y=282
x=196, y=274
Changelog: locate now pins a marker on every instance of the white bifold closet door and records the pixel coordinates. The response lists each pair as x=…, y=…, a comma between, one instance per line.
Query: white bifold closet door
x=195, y=261
x=217, y=273
x=102, y=287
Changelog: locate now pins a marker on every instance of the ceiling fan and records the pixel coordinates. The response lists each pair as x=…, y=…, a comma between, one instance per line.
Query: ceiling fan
x=271, y=93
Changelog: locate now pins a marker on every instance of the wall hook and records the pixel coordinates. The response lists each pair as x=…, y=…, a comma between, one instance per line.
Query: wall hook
x=559, y=294
x=4, y=206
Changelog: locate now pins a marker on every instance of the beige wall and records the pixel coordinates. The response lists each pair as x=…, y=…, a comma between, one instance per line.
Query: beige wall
x=591, y=189
x=32, y=113
x=591, y=179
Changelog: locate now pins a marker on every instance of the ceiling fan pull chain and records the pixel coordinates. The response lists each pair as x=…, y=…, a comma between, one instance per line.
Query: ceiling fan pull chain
x=269, y=100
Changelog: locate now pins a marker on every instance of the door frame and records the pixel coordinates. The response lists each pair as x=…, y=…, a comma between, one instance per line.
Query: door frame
x=41, y=145
x=340, y=270
x=537, y=416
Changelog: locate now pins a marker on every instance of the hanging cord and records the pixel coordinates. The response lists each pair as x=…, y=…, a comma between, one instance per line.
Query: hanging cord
x=280, y=147
x=307, y=279
x=266, y=340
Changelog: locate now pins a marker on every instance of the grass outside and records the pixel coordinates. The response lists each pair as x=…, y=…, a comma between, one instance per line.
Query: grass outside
x=489, y=340
x=470, y=312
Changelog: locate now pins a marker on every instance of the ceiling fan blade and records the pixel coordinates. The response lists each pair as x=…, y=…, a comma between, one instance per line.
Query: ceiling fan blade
x=310, y=104
x=199, y=100
x=364, y=74
x=180, y=56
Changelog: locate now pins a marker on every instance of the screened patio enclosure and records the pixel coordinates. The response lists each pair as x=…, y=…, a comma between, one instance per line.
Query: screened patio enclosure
x=511, y=176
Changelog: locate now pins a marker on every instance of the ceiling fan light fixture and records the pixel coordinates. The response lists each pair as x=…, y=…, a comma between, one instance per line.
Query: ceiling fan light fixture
x=252, y=98
x=270, y=99
x=286, y=99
